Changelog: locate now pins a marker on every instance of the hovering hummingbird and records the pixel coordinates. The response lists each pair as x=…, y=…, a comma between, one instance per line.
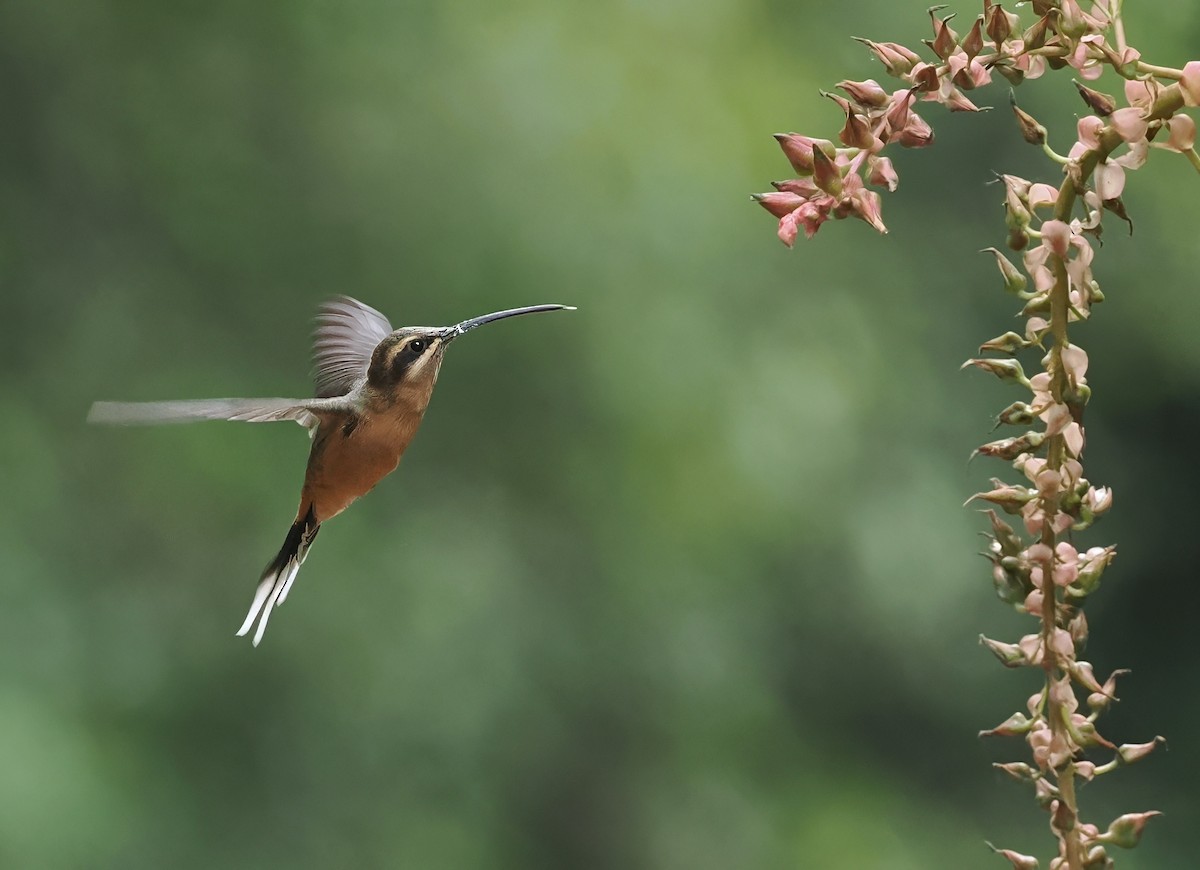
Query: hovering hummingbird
x=373, y=384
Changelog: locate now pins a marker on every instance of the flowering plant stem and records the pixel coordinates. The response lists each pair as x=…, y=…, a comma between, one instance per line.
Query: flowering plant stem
x=1042, y=575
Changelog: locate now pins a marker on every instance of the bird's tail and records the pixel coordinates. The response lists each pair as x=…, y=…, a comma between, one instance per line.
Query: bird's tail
x=279, y=575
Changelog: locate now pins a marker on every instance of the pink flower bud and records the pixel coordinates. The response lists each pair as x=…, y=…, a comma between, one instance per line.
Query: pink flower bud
x=1035, y=36
x=1018, y=861
x=1085, y=676
x=1073, y=22
x=972, y=43
x=856, y=132
x=945, y=40
x=1189, y=83
x=1018, y=770
x=1031, y=131
x=1040, y=740
x=799, y=150
x=778, y=203
x=1092, y=565
x=1000, y=24
x=1010, y=499
x=1131, y=752
x=1014, y=726
x=1009, y=342
x=1126, y=830
x=802, y=187
x=1101, y=104
x=897, y=59
x=1110, y=685
x=1011, y=448
x=1009, y=654
x=1005, y=369
x=1014, y=281
x=865, y=93
x=826, y=174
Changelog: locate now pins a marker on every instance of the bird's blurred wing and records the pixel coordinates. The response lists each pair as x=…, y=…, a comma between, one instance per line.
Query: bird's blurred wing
x=347, y=333
x=306, y=412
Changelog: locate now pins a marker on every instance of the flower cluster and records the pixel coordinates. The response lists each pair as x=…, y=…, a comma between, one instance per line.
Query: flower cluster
x=1052, y=232
x=834, y=180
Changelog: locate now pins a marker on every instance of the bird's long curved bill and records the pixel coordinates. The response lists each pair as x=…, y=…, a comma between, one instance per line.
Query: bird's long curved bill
x=467, y=325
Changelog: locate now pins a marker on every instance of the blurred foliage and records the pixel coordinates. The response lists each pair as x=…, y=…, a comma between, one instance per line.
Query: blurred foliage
x=680, y=580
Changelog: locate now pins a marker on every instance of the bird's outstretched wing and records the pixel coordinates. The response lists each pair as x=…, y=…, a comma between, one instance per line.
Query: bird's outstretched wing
x=347, y=333
x=306, y=412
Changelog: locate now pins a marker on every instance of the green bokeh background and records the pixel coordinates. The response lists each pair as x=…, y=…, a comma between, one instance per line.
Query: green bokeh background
x=681, y=580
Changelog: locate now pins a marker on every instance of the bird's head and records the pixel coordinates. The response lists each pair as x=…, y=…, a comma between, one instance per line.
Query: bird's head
x=411, y=356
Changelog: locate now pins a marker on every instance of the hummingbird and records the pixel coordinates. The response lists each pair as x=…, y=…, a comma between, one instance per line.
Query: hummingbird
x=373, y=384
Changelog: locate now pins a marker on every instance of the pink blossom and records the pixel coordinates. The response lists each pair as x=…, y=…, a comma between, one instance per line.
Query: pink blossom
x=1056, y=417
x=1109, y=178
x=1042, y=194
x=1183, y=133
x=1035, y=327
x=1141, y=93
x=1130, y=123
x=1056, y=236
x=1082, y=58
x=1098, y=500
x=1032, y=467
x=1033, y=65
x=1135, y=155
x=1189, y=84
x=1072, y=472
x=883, y=173
x=1048, y=481
x=1073, y=436
x=1075, y=363
x=1062, y=644
x=1033, y=606
x=1089, y=129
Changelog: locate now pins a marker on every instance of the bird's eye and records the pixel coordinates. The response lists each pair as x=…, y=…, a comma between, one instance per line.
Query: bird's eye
x=417, y=345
